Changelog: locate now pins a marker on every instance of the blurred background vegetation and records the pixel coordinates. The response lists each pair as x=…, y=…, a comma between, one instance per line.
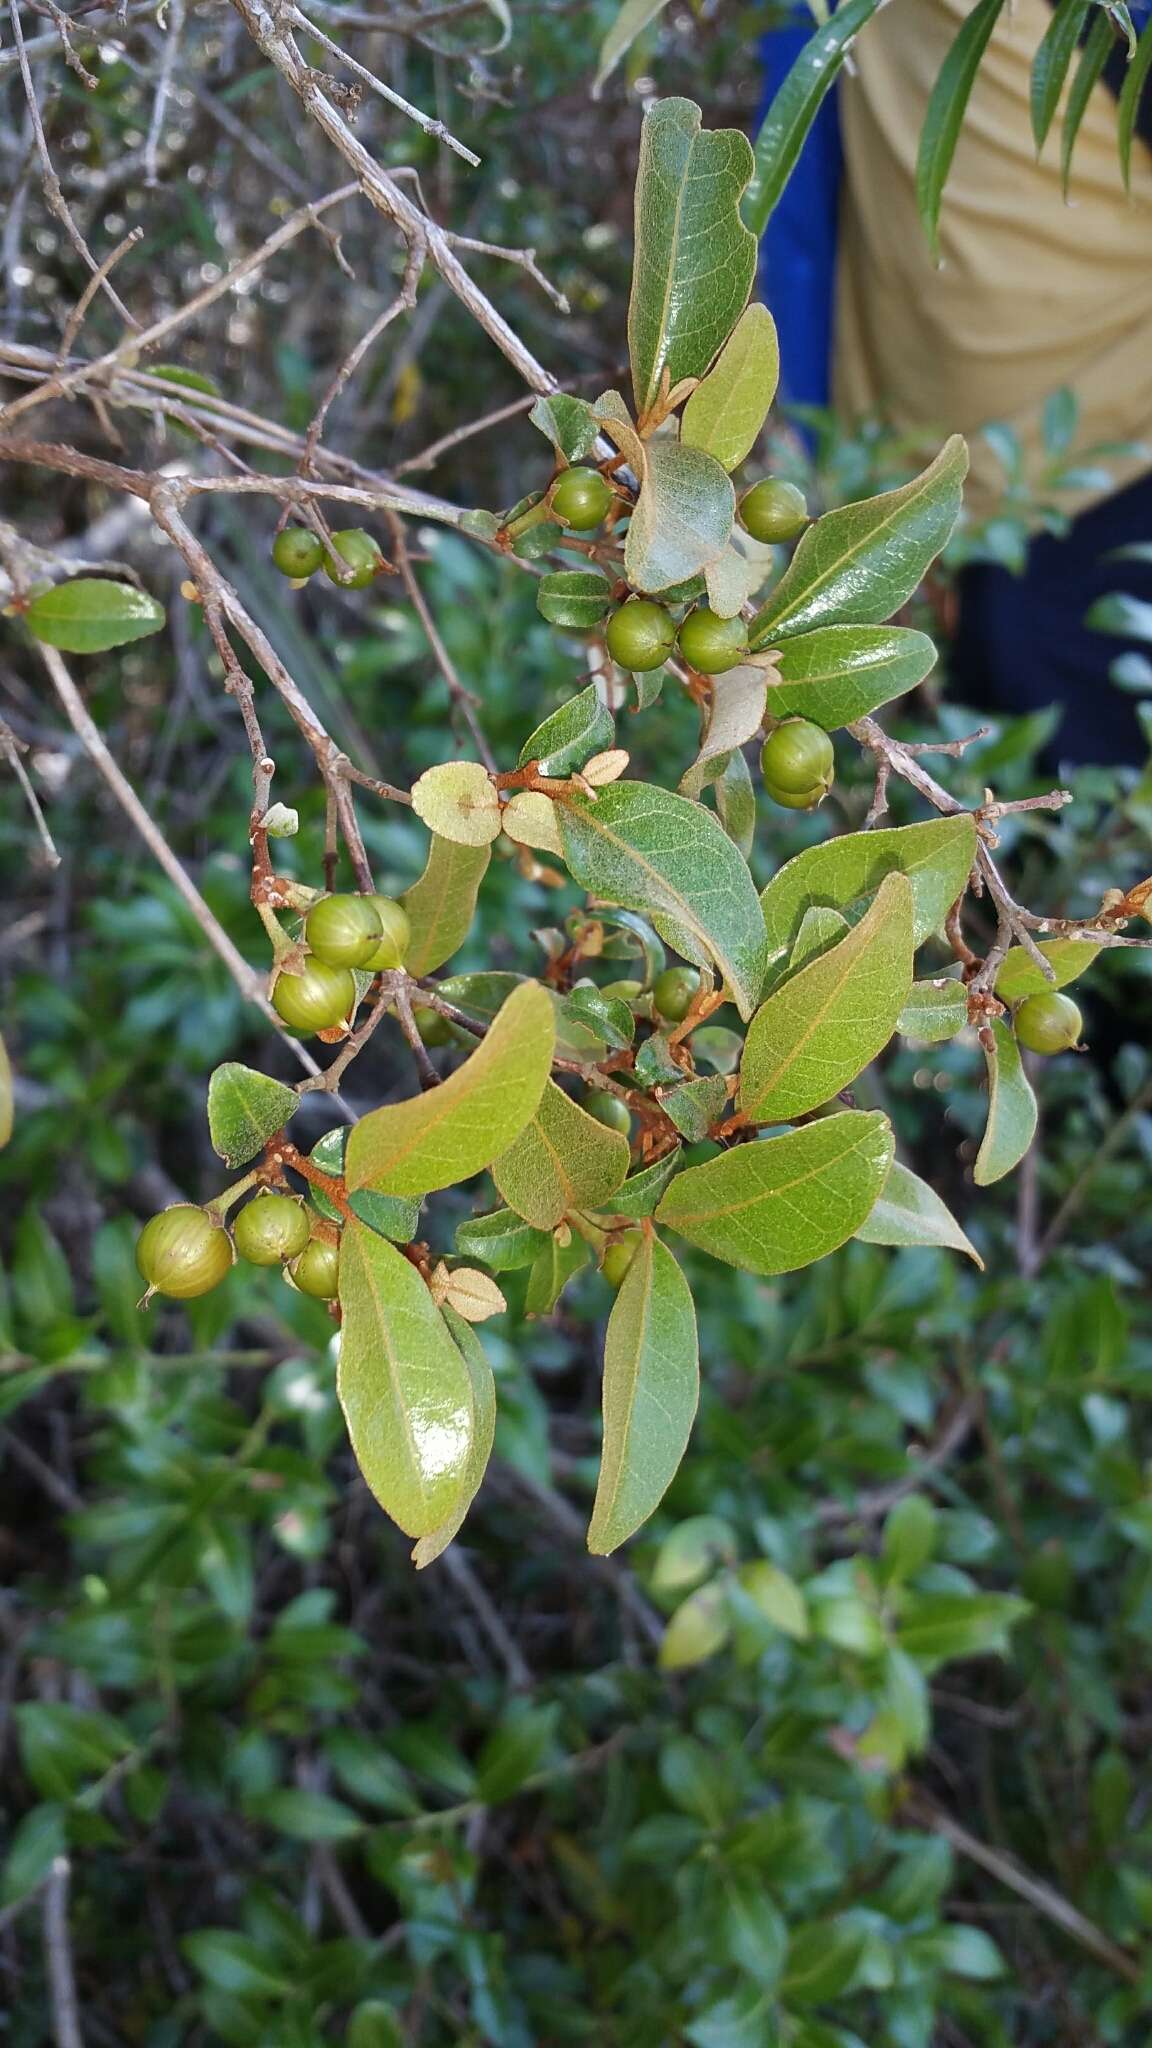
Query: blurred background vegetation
x=881, y=1784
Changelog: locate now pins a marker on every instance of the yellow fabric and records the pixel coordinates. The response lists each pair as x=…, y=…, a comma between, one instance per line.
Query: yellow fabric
x=1032, y=293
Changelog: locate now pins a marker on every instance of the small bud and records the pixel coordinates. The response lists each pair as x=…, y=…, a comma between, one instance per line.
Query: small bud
x=281, y=822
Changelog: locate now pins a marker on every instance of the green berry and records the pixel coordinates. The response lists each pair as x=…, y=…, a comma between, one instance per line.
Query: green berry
x=1048, y=1023
x=316, y=998
x=344, y=931
x=362, y=557
x=182, y=1253
x=798, y=764
x=271, y=1230
x=608, y=1110
x=433, y=1028
x=711, y=644
x=396, y=933
x=773, y=510
x=317, y=1270
x=297, y=551
x=580, y=499
x=673, y=992
x=619, y=1256
x=641, y=635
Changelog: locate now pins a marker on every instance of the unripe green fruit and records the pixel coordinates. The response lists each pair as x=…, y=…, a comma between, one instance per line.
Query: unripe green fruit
x=1048, y=1576
x=798, y=764
x=361, y=555
x=396, y=933
x=1048, y=1023
x=433, y=1028
x=711, y=644
x=316, y=998
x=608, y=1110
x=619, y=1257
x=182, y=1253
x=344, y=931
x=627, y=991
x=297, y=551
x=271, y=1230
x=673, y=992
x=581, y=498
x=317, y=1270
x=641, y=635
x=773, y=510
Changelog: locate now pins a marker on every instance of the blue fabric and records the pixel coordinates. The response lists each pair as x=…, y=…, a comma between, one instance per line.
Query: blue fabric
x=798, y=250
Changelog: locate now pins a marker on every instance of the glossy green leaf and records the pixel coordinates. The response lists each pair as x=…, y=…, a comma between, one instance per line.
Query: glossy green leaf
x=859, y=564
x=91, y=613
x=818, y=930
x=651, y=851
x=1012, y=1112
x=735, y=713
x=1019, y=975
x=569, y=423
x=935, y=1010
x=840, y=673
x=502, y=1240
x=633, y=18
x=483, y=994
x=1131, y=94
x=394, y=1216
x=1050, y=64
x=552, y=1269
x=642, y=1191
x=909, y=1212
x=795, y=106
x=582, y=727
x=515, y=1749
x=651, y=1388
x=823, y=1958
x=816, y=1033
x=682, y=518
x=694, y=259
x=845, y=873
x=728, y=408
x=1093, y=57
x=442, y=904
x=405, y=1389
x=562, y=1160
x=245, y=1109
x=696, y=1105
x=780, y=1203
x=471, y=1350
x=575, y=598
x=457, y=1129
x=945, y=112
x=700, y=1626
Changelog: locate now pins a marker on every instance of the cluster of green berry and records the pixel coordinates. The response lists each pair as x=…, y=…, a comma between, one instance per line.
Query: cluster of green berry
x=343, y=934
x=183, y=1252
x=298, y=553
x=797, y=761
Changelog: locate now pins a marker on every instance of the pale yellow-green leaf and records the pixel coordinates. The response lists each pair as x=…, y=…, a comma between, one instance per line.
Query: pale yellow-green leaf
x=457, y=1129
x=529, y=817
x=1019, y=975
x=651, y=1388
x=458, y=800
x=699, y=1627
x=473, y=1294
x=404, y=1387
x=738, y=573
x=563, y=1160
x=1012, y=1111
x=442, y=904
x=822, y=1026
x=728, y=408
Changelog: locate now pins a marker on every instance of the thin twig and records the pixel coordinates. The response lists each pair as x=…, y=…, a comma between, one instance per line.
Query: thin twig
x=76, y=317
x=461, y=696
x=12, y=748
x=430, y=127
x=248, y=981
x=163, y=89
x=58, y=1947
